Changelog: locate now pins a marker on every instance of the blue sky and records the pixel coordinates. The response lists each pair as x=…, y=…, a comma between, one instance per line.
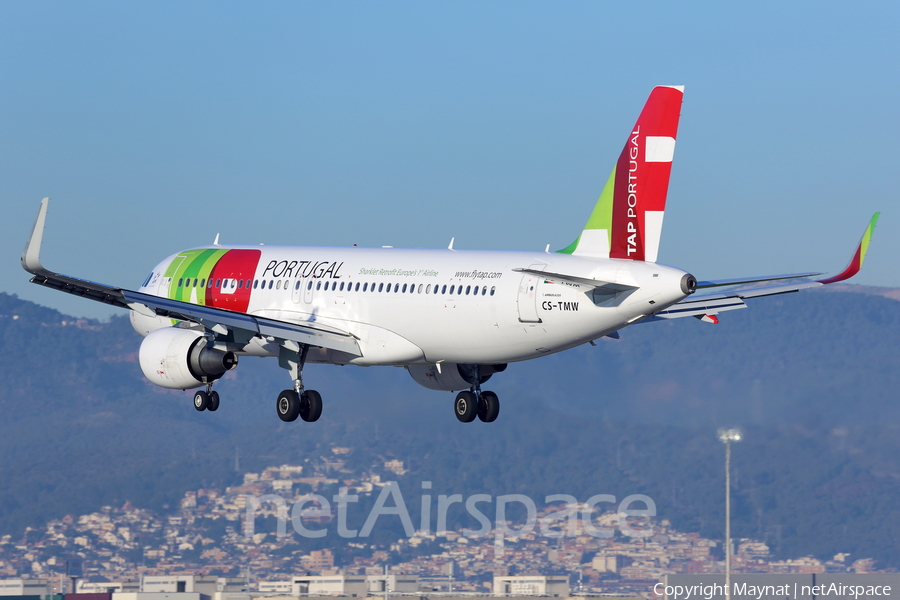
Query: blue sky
x=154, y=126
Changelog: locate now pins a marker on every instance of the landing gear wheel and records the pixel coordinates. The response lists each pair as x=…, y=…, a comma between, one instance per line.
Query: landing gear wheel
x=466, y=406
x=213, y=401
x=310, y=406
x=288, y=405
x=201, y=400
x=489, y=407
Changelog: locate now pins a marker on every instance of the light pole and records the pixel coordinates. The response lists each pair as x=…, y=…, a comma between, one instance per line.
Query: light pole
x=727, y=436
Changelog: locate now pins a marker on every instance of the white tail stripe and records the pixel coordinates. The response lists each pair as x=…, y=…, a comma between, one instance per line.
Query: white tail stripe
x=659, y=149
x=653, y=222
x=593, y=243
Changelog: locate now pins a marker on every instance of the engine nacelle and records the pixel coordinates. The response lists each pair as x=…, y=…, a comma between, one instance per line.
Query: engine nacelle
x=179, y=359
x=452, y=376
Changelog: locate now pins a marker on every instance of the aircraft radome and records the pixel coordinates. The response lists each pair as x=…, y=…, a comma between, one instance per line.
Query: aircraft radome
x=452, y=318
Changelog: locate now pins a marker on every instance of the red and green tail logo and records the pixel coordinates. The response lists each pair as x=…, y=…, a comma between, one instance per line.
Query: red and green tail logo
x=627, y=219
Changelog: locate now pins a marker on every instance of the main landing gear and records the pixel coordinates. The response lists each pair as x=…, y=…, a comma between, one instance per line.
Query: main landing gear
x=297, y=402
x=475, y=403
x=206, y=399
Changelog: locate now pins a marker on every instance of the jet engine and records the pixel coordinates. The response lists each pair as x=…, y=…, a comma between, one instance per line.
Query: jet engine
x=179, y=359
x=452, y=376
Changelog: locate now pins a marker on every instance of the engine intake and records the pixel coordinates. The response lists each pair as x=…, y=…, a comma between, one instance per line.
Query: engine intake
x=179, y=359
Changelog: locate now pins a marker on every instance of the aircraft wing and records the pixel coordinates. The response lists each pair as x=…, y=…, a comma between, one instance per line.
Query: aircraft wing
x=706, y=306
x=218, y=320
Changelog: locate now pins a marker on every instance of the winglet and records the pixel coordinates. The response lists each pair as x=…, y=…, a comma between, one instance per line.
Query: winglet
x=31, y=255
x=858, y=257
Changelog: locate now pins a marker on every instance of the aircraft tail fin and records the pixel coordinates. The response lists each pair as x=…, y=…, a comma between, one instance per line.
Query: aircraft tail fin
x=627, y=220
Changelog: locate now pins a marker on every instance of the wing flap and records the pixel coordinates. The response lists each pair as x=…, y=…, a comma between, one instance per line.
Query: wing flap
x=317, y=335
x=700, y=306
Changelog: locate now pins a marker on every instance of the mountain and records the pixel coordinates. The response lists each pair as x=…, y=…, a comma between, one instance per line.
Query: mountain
x=810, y=376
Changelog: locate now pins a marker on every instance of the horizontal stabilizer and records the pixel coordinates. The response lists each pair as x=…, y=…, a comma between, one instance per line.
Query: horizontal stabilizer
x=613, y=288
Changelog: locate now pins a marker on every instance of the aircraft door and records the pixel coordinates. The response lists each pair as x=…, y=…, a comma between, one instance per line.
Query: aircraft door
x=308, y=290
x=166, y=282
x=528, y=296
x=297, y=290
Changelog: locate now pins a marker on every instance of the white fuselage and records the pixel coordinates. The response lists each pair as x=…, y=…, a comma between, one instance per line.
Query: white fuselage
x=492, y=315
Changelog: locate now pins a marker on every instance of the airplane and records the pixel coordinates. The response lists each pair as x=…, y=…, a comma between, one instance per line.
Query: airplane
x=452, y=318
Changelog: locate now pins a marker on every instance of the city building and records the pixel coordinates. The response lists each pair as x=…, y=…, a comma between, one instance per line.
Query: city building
x=400, y=584
x=24, y=587
x=531, y=585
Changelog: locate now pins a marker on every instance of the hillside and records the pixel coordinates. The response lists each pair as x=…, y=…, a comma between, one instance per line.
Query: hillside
x=811, y=376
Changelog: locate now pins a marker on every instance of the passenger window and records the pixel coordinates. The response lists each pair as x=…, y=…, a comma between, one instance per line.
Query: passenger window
x=492, y=289
x=484, y=290
x=318, y=285
x=421, y=287
x=468, y=289
x=270, y=284
x=428, y=289
x=278, y=285
x=452, y=287
x=342, y=286
x=365, y=286
x=203, y=283
x=444, y=289
x=180, y=281
x=255, y=283
x=309, y=285
x=380, y=286
x=241, y=284
x=357, y=286
x=404, y=288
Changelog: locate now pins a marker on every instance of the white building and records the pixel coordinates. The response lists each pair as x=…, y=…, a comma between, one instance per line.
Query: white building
x=105, y=587
x=159, y=596
x=24, y=587
x=531, y=585
x=400, y=584
x=202, y=584
x=278, y=588
x=329, y=585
